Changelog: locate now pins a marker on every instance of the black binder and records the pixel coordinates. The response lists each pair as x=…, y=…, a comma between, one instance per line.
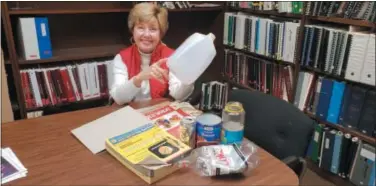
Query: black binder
x=327, y=149
x=354, y=108
x=351, y=155
x=368, y=115
x=345, y=146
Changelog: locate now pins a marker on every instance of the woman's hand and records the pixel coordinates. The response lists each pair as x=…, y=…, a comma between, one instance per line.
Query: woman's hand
x=153, y=71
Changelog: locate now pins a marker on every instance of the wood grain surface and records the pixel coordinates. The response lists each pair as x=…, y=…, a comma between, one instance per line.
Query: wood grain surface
x=53, y=156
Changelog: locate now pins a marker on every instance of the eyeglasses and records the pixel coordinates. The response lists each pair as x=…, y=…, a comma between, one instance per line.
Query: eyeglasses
x=144, y=30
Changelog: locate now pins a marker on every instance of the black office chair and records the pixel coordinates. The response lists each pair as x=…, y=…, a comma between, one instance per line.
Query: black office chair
x=277, y=126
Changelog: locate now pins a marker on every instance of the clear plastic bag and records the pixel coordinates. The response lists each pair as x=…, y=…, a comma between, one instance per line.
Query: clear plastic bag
x=215, y=160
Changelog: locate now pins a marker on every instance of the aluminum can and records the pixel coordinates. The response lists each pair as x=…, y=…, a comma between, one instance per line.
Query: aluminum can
x=187, y=131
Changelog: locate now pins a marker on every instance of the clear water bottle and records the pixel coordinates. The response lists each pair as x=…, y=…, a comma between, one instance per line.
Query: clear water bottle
x=233, y=117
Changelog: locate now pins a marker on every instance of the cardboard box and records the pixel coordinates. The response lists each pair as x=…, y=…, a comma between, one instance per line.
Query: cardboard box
x=6, y=107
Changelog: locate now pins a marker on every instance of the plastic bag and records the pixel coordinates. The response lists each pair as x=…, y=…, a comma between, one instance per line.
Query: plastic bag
x=215, y=160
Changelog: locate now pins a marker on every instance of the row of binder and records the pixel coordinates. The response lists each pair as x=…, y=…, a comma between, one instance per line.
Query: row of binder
x=65, y=84
x=269, y=37
x=343, y=155
x=365, y=10
x=264, y=76
x=337, y=102
x=295, y=7
x=347, y=54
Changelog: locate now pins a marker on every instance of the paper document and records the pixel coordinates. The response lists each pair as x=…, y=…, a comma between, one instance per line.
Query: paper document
x=94, y=134
x=11, y=166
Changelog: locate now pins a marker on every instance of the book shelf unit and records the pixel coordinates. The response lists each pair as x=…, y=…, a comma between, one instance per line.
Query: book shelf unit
x=305, y=20
x=270, y=14
x=84, y=31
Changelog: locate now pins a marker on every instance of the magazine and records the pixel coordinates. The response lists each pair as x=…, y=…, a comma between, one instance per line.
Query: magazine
x=168, y=117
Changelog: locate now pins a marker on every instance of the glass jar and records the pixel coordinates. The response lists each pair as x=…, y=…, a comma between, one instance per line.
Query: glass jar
x=233, y=117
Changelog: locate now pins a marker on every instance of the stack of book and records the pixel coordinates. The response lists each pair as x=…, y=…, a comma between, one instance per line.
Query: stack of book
x=65, y=84
x=270, y=78
x=11, y=166
x=365, y=10
x=268, y=37
x=343, y=155
x=339, y=52
x=295, y=7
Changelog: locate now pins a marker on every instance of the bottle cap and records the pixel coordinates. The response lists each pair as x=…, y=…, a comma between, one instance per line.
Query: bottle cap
x=212, y=36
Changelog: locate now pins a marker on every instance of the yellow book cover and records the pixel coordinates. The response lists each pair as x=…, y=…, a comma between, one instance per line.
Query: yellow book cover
x=148, y=144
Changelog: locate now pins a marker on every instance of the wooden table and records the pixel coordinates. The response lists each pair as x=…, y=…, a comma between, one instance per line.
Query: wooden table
x=53, y=156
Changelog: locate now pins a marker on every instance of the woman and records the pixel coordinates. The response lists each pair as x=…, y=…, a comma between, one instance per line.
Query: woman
x=140, y=71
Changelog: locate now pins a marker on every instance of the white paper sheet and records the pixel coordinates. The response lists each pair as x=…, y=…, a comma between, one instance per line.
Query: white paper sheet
x=94, y=134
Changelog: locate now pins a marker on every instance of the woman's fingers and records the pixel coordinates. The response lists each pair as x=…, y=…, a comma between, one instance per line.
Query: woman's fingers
x=160, y=72
x=161, y=61
x=157, y=75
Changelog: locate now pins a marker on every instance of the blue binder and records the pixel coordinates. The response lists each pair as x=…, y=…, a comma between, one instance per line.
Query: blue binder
x=371, y=181
x=43, y=35
x=257, y=35
x=335, y=102
x=324, y=100
x=345, y=102
x=337, y=153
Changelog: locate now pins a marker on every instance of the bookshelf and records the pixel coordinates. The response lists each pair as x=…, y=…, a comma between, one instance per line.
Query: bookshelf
x=360, y=135
x=306, y=19
x=238, y=84
x=261, y=57
x=272, y=14
x=77, y=54
x=344, y=21
x=88, y=31
x=327, y=175
x=267, y=13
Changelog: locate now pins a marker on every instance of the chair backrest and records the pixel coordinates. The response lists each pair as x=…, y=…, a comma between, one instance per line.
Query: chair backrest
x=274, y=124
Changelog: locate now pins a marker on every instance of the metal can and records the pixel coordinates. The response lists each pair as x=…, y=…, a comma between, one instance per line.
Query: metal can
x=208, y=129
x=187, y=131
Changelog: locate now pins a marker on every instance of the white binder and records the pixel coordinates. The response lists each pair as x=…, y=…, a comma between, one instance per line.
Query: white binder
x=28, y=39
x=357, y=55
x=368, y=72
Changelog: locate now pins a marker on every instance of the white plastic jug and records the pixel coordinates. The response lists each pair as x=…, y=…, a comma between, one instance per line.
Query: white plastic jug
x=192, y=57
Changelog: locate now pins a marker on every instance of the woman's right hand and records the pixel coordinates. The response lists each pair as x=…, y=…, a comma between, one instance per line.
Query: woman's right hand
x=154, y=71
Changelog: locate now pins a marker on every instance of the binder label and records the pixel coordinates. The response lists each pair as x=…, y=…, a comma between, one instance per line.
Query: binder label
x=367, y=154
x=316, y=137
x=43, y=29
x=327, y=143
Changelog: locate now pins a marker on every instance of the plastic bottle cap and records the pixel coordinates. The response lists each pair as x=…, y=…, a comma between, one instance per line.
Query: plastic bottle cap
x=212, y=36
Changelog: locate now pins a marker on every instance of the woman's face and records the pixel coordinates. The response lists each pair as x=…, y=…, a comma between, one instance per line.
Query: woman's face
x=147, y=35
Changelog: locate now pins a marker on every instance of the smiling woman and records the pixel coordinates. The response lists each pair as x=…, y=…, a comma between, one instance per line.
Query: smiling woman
x=140, y=71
